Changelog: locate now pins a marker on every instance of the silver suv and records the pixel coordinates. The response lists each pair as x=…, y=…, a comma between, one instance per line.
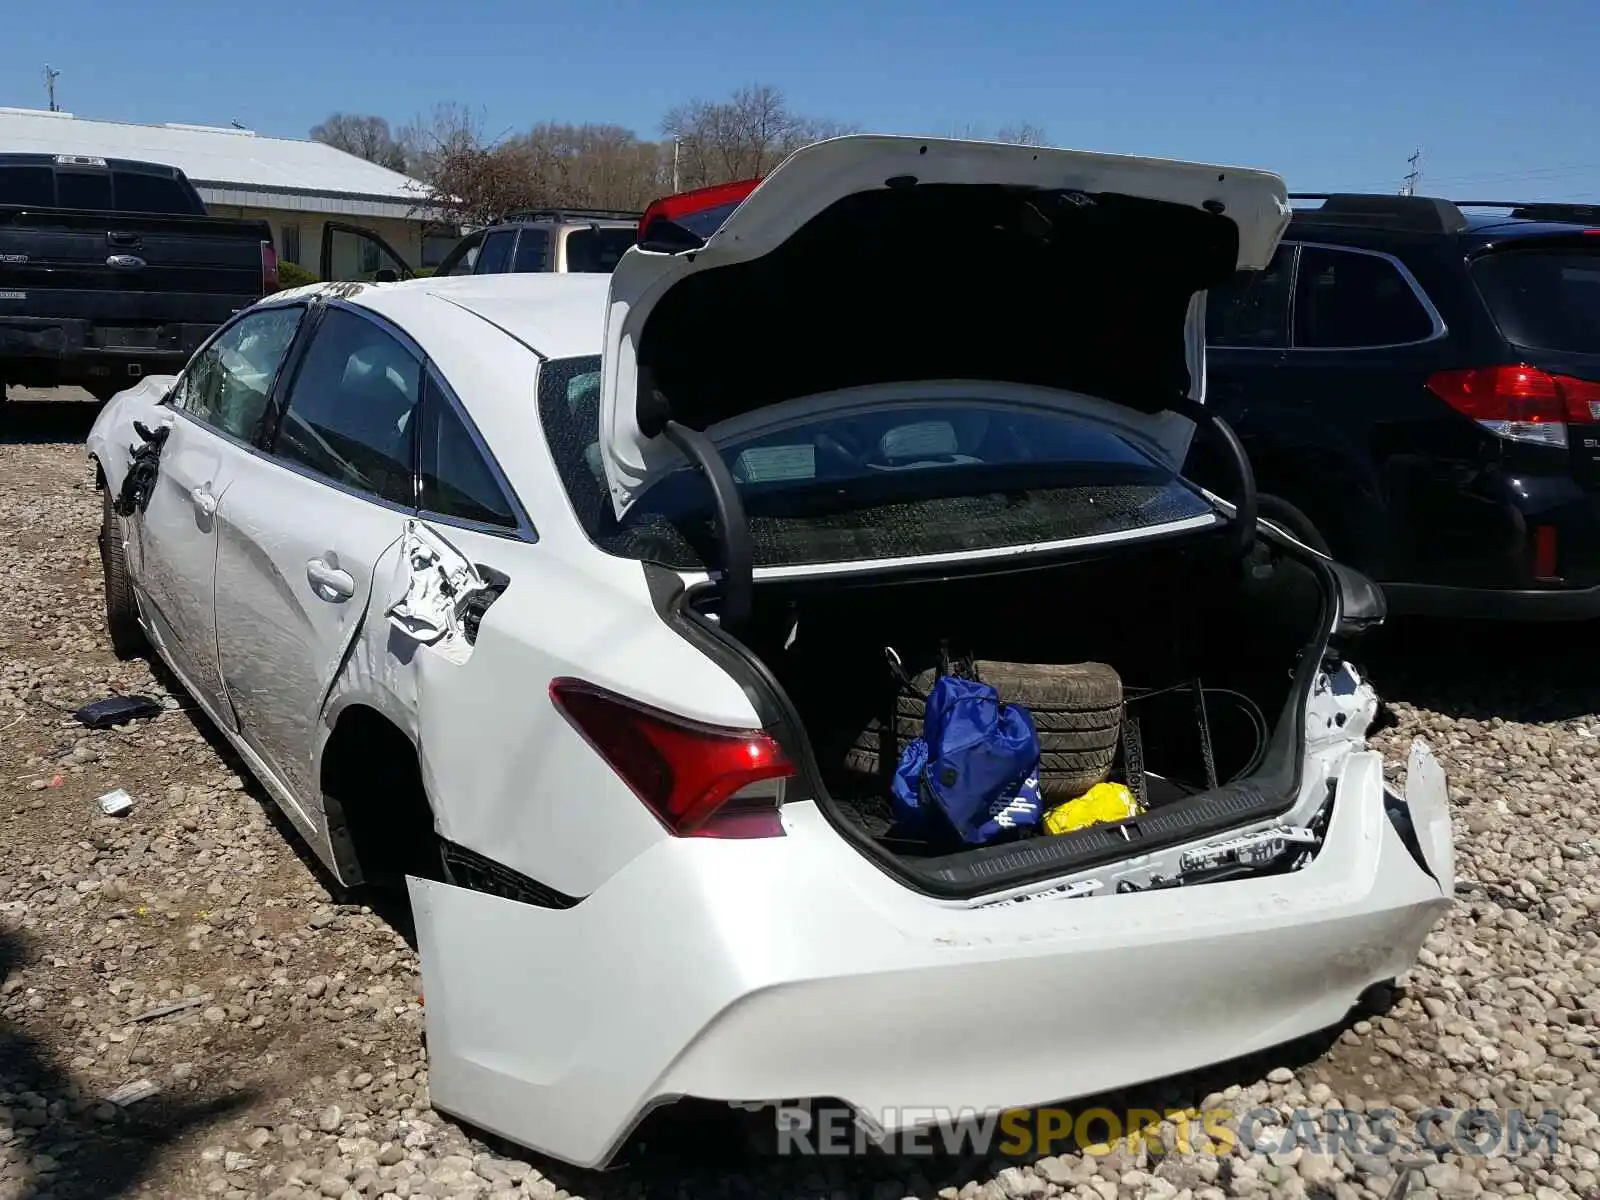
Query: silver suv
x=565, y=240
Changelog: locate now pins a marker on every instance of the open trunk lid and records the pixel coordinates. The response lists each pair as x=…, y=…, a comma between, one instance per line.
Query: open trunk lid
x=873, y=259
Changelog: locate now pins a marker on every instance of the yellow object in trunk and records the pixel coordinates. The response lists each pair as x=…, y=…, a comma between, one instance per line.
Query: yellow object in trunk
x=1102, y=803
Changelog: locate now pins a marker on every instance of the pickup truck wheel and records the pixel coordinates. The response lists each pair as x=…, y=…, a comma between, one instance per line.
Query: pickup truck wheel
x=122, y=611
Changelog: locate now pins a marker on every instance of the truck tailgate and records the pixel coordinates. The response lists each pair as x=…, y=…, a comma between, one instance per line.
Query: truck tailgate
x=77, y=255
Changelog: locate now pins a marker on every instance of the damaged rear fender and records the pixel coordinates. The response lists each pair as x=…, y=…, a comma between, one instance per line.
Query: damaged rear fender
x=517, y=787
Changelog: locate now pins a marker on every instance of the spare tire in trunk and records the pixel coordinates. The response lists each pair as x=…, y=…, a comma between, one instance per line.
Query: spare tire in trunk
x=1076, y=707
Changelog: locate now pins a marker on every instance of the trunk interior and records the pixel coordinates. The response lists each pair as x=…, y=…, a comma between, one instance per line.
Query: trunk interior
x=1170, y=617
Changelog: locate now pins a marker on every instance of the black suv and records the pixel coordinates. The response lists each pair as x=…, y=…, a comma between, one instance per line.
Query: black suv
x=1419, y=390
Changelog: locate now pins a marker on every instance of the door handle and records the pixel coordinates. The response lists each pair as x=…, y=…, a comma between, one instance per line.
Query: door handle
x=203, y=501
x=329, y=582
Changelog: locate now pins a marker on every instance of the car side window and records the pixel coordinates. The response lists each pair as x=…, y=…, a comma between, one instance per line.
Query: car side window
x=495, y=258
x=457, y=480
x=1349, y=300
x=351, y=412
x=533, y=251
x=1252, y=309
x=226, y=385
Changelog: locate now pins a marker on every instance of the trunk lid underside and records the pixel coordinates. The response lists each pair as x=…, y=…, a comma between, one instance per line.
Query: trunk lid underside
x=867, y=260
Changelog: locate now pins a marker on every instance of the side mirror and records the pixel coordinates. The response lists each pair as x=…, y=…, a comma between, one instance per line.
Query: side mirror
x=1362, y=605
x=385, y=275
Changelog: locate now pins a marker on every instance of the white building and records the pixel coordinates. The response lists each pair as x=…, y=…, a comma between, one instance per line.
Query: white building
x=296, y=186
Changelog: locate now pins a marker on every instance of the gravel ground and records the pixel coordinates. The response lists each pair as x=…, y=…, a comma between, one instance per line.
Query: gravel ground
x=192, y=948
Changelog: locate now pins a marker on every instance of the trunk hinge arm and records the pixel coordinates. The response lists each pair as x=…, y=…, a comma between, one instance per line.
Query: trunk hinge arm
x=733, y=529
x=1244, y=476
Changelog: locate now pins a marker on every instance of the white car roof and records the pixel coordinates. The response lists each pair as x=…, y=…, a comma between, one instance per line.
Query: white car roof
x=554, y=314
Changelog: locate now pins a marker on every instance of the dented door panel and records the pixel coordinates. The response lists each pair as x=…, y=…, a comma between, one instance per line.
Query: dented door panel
x=295, y=566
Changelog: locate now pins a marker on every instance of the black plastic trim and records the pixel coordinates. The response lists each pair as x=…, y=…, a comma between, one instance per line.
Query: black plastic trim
x=1493, y=604
x=476, y=872
x=733, y=529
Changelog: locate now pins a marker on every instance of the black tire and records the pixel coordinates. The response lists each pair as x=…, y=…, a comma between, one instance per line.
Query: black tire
x=122, y=611
x=1293, y=522
x=1076, y=707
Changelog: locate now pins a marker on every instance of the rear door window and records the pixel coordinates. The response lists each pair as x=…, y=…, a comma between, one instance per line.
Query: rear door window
x=495, y=257
x=351, y=412
x=1252, y=310
x=1543, y=299
x=1350, y=300
x=533, y=252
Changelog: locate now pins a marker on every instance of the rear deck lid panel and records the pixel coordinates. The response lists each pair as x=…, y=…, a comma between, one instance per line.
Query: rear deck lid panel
x=869, y=260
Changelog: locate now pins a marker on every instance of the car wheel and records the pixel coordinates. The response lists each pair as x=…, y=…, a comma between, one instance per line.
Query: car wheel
x=1077, y=711
x=1293, y=522
x=122, y=611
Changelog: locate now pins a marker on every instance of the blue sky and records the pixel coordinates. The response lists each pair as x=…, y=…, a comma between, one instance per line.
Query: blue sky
x=1501, y=97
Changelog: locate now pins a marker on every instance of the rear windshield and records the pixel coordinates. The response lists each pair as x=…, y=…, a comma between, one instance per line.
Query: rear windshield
x=100, y=190
x=1544, y=299
x=939, y=477
x=596, y=251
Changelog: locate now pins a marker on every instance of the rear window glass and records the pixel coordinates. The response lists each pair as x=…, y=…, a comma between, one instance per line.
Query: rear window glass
x=944, y=476
x=596, y=251
x=139, y=193
x=84, y=189
x=1544, y=299
x=32, y=186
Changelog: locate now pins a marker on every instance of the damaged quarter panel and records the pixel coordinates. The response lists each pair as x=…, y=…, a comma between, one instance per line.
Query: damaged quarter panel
x=504, y=778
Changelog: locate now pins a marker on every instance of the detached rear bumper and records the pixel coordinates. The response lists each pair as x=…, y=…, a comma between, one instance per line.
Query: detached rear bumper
x=791, y=968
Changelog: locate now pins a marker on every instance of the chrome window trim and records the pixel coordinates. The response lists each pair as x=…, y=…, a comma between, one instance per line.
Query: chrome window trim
x=524, y=530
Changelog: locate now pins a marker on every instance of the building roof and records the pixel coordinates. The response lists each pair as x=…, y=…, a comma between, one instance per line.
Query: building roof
x=227, y=166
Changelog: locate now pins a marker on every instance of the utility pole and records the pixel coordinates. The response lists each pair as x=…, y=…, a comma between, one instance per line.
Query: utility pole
x=675, y=146
x=1409, y=188
x=50, y=77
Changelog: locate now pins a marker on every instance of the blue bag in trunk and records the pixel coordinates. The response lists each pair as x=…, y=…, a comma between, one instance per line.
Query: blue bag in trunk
x=974, y=771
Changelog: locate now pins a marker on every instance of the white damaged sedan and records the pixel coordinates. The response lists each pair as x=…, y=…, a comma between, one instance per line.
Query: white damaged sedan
x=568, y=604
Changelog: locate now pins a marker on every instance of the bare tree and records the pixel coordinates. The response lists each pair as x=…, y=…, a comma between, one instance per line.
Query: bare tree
x=450, y=128
x=1022, y=133
x=366, y=137
x=592, y=166
x=741, y=137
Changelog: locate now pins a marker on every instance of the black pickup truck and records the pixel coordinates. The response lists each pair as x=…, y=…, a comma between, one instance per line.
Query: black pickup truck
x=111, y=269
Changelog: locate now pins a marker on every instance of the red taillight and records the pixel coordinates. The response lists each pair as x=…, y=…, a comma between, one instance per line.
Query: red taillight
x=687, y=773
x=269, y=269
x=1520, y=403
x=701, y=211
